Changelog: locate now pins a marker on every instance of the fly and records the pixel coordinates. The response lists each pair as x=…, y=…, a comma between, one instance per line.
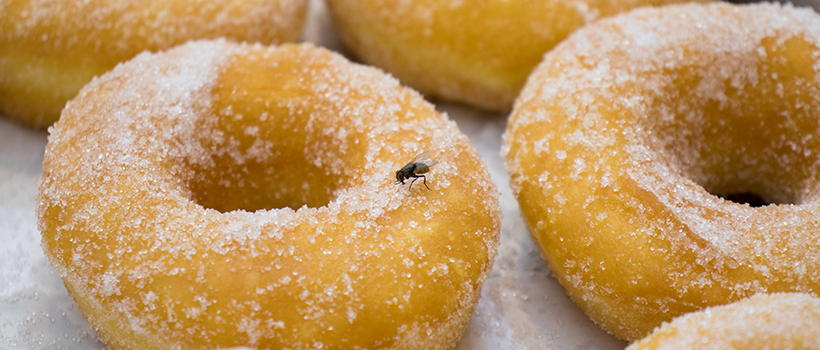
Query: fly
x=416, y=168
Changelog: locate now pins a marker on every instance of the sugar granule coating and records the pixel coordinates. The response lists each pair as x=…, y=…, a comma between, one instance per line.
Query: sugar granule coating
x=475, y=52
x=626, y=132
x=50, y=49
x=761, y=322
x=221, y=195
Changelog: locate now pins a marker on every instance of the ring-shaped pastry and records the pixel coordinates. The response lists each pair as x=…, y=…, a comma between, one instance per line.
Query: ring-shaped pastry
x=221, y=195
x=630, y=131
x=761, y=322
x=475, y=52
x=50, y=49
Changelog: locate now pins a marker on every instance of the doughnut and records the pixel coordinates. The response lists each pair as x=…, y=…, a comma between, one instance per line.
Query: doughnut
x=222, y=195
x=764, y=321
x=629, y=141
x=50, y=49
x=473, y=52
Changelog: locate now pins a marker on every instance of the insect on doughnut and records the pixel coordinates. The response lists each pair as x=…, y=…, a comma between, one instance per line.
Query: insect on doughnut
x=220, y=195
x=416, y=169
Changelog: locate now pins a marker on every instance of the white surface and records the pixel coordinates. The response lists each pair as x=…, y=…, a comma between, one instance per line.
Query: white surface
x=521, y=306
x=35, y=309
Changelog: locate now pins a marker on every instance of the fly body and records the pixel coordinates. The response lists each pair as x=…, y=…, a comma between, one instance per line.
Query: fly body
x=416, y=169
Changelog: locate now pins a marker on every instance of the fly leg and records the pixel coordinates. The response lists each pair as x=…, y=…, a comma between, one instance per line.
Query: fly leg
x=416, y=177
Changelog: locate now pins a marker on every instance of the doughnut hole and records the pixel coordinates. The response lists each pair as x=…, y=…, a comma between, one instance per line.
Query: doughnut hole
x=265, y=149
x=748, y=136
x=751, y=199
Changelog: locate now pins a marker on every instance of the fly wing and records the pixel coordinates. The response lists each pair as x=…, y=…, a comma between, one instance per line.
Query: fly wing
x=424, y=158
x=421, y=158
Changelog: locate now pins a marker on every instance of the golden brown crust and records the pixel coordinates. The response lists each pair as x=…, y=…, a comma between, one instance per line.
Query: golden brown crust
x=628, y=128
x=476, y=52
x=226, y=195
x=765, y=321
x=50, y=49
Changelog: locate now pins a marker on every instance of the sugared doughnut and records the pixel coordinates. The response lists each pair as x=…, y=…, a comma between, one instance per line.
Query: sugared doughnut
x=476, y=52
x=762, y=322
x=626, y=136
x=219, y=195
x=50, y=49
